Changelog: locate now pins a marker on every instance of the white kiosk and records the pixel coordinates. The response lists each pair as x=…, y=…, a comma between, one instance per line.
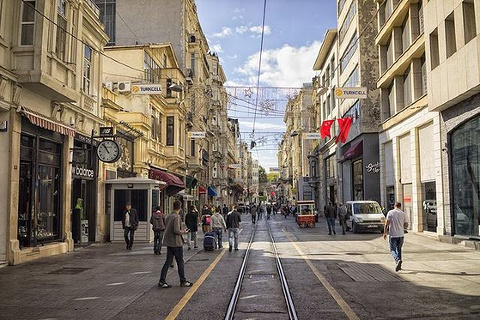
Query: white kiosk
x=144, y=195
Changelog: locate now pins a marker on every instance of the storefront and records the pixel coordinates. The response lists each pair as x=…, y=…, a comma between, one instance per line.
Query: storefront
x=84, y=189
x=41, y=181
x=465, y=178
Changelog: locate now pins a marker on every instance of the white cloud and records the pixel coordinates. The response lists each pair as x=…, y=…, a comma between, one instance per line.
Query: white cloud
x=282, y=67
x=241, y=29
x=238, y=17
x=216, y=48
x=235, y=56
x=224, y=33
x=262, y=125
x=258, y=30
x=239, y=10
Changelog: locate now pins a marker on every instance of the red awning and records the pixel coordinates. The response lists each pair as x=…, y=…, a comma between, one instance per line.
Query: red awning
x=202, y=190
x=173, y=183
x=355, y=150
x=46, y=122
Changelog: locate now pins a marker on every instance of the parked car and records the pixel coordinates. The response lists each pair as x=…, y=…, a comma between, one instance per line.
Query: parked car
x=365, y=216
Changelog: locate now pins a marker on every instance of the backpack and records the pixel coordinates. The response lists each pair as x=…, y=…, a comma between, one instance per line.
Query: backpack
x=209, y=241
x=208, y=220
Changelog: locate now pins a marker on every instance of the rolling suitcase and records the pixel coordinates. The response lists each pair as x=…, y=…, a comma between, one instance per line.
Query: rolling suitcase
x=209, y=241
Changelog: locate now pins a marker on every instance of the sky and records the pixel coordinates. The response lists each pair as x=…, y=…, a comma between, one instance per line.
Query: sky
x=294, y=30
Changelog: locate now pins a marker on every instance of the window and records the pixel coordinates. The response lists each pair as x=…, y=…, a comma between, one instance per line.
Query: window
x=347, y=22
x=470, y=28
x=407, y=88
x=170, y=131
x=1, y=7
x=87, y=68
x=351, y=48
x=107, y=16
x=215, y=68
x=169, y=91
x=450, y=38
x=192, y=147
x=353, y=78
x=28, y=23
x=153, y=124
x=341, y=4
x=434, y=50
x=406, y=33
x=151, y=69
x=61, y=29
x=192, y=63
x=164, y=60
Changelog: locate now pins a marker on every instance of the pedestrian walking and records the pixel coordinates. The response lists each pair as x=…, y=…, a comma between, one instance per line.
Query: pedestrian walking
x=173, y=240
x=206, y=219
x=342, y=216
x=269, y=211
x=218, y=225
x=253, y=212
x=191, y=221
x=129, y=224
x=233, y=225
x=283, y=210
x=224, y=211
x=158, y=226
x=331, y=216
x=395, y=225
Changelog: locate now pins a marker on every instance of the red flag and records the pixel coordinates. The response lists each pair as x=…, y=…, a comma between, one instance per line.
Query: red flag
x=325, y=130
x=344, y=124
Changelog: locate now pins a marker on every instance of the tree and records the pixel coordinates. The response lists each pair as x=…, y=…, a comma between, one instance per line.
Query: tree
x=262, y=175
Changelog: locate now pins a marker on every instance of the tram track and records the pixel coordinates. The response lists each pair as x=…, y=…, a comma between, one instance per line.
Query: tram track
x=282, y=280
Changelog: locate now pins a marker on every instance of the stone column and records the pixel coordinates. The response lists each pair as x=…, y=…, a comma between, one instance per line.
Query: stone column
x=416, y=183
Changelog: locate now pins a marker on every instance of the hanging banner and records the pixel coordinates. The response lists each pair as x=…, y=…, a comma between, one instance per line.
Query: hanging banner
x=196, y=135
x=351, y=93
x=311, y=136
x=146, y=89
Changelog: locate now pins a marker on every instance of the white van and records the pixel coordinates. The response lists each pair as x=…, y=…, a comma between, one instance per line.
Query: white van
x=365, y=215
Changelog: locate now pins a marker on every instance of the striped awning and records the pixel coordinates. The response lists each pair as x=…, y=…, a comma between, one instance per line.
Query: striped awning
x=47, y=122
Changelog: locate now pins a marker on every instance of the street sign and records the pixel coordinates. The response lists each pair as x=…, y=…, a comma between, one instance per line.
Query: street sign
x=146, y=89
x=311, y=136
x=196, y=135
x=106, y=132
x=273, y=169
x=235, y=166
x=351, y=93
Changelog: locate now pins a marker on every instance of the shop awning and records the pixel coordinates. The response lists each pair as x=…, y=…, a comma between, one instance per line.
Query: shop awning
x=202, y=190
x=355, y=150
x=173, y=183
x=212, y=192
x=191, y=182
x=46, y=122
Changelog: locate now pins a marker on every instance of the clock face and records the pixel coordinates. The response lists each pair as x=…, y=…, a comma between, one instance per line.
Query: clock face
x=108, y=151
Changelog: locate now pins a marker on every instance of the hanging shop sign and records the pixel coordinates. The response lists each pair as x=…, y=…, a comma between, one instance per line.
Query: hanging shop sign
x=81, y=172
x=373, y=167
x=146, y=89
x=273, y=169
x=106, y=132
x=311, y=136
x=196, y=135
x=351, y=93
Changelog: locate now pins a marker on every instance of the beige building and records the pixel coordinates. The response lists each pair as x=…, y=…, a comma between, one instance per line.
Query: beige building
x=50, y=96
x=453, y=76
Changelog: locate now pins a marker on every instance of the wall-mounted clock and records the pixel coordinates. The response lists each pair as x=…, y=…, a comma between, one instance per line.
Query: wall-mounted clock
x=108, y=151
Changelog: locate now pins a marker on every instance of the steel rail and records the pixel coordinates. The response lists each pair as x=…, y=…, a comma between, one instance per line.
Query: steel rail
x=292, y=313
x=238, y=285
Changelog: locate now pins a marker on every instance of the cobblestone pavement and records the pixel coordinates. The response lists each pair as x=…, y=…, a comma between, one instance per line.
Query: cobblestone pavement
x=103, y=281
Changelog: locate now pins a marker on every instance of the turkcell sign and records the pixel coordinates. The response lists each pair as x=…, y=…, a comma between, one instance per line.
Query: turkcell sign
x=196, y=135
x=311, y=135
x=351, y=93
x=146, y=89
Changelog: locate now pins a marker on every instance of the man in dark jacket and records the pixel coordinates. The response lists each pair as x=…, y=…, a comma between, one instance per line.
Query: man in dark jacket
x=173, y=240
x=225, y=211
x=191, y=221
x=158, y=225
x=233, y=226
x=129, y=224
x=331, y=216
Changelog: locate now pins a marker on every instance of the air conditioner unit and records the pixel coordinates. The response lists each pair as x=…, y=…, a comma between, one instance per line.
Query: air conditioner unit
x=109, y=85
x=124, y=86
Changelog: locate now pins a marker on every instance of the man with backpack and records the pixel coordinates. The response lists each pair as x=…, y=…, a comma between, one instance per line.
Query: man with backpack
x=158, y=225
x=233, y=226
x=218, y=225
x=173, y=240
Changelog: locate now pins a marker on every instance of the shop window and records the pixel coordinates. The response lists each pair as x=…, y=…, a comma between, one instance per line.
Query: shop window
x=358, y=180
x=470, y=28
x=28, y=23
x=450, y=37
x=390, y=196
x=138, y=199
x=429, y=205
x=465, y=177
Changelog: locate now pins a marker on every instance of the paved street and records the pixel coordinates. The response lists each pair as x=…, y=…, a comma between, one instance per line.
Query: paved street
x=104, y=281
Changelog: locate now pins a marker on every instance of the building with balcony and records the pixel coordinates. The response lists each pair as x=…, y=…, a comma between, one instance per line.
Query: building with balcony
x=50, y=96
x=357, y=66
x=158, y=118
x=407, y=156
x=453, y=77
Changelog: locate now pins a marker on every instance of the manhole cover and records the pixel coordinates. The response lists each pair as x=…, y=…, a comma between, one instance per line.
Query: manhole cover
x=261, y=276
x=362, y=272
x=69, y=270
